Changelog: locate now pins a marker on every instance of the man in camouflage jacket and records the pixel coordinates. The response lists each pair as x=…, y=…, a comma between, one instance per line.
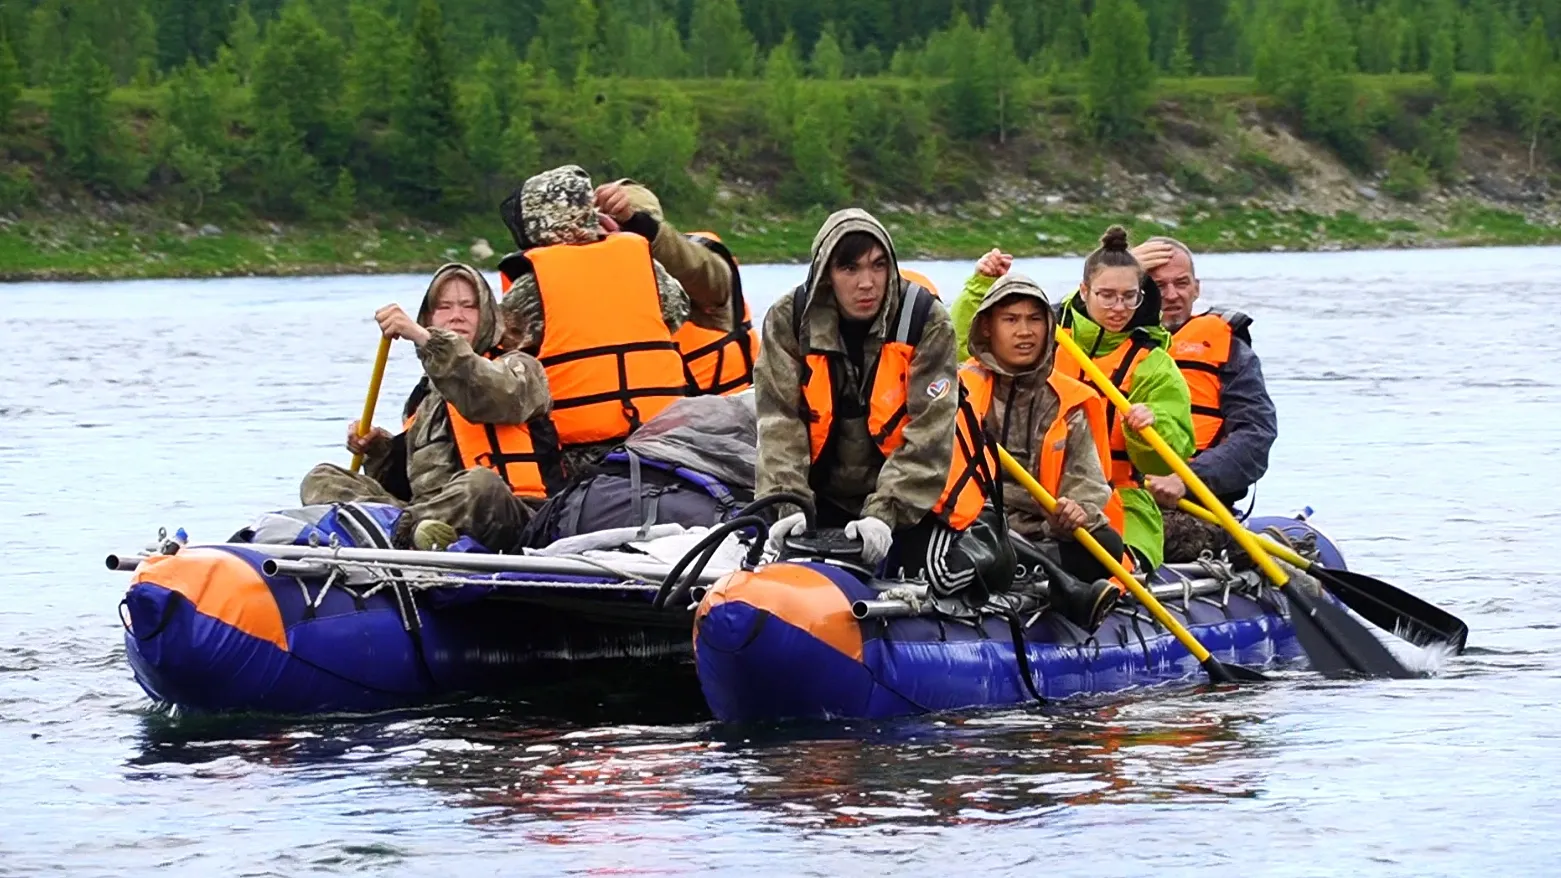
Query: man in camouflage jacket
x=559, y=207
x=853, y=483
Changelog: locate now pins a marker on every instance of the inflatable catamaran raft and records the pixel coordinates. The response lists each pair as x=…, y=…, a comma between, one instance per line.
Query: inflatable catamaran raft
x=311, y=611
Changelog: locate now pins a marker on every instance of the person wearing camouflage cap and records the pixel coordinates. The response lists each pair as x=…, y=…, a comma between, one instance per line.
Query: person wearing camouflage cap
x=718, y=343
x=479, y=411
x=607, y=376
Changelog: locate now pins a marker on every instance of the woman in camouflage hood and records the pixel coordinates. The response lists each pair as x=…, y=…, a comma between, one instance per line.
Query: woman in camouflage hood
x=457, y=334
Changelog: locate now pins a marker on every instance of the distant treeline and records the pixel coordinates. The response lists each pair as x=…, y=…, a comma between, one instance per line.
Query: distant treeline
x=324, y=108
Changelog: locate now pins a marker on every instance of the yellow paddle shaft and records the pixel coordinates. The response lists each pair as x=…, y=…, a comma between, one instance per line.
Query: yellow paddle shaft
x=1273, y=548
x=1049, y=503
x=1211, y=503
x=366, y=422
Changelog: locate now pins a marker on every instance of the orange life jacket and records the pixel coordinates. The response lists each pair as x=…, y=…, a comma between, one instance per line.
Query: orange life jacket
x=720, y=361
x=920, y=280
x=525, y=455
x=1072, y=395
x=610, y=360
x=974, y=465
x=1119, y=365
x=1201, y=349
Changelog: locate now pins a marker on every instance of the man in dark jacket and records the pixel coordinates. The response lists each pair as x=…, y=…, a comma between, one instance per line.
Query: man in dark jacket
x=1233, y=416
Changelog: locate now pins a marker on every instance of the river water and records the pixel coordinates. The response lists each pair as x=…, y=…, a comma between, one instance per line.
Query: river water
x=1418, y=398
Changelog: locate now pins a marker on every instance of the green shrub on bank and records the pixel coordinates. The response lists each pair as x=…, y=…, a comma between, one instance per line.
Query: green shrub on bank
x=1408, y=177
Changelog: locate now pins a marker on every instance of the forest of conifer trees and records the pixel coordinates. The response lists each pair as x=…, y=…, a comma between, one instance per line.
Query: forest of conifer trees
x=329, y=108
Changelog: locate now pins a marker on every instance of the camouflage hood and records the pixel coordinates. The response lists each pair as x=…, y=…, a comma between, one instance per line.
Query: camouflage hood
x=559, y=207
x=837, y=226
x=489, y=329
x=1023, y=407
x=1007, y=287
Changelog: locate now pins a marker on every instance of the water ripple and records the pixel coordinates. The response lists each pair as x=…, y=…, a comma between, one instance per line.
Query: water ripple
x=1387, y=430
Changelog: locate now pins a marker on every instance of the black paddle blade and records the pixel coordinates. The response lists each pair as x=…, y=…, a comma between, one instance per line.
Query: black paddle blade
x=1394, y=610
x=1337, y=645
x=1219, y=672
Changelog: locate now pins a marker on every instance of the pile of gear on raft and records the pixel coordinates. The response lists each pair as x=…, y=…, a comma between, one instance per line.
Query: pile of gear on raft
x=619, y=382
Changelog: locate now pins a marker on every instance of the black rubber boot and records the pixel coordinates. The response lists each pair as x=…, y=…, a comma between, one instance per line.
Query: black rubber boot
x=1084, y=604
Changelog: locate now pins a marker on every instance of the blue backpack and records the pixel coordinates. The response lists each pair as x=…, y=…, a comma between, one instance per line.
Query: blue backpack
x=628, y=490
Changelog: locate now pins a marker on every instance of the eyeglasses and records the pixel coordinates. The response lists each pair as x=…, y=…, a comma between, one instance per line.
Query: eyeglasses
x=1117, y=298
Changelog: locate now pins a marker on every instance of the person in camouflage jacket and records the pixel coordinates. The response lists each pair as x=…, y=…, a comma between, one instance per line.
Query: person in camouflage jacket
x=559, y=207
x=852, y=306
x=469, y=362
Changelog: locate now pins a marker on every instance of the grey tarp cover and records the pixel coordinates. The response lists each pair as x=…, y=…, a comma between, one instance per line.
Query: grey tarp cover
x=715, y=435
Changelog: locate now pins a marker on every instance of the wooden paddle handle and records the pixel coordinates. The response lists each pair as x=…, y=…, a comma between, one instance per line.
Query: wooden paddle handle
x=1243, y=537
x=366, y=423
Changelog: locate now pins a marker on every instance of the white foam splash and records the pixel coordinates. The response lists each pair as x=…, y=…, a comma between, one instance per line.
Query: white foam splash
x=1428, y=660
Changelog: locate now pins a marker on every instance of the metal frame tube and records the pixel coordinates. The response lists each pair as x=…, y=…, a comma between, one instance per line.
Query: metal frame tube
x=885, y=609
x=455, y=561
x=124, y=563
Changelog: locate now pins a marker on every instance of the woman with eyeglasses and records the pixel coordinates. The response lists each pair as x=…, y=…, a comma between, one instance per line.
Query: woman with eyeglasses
x=1115, y=318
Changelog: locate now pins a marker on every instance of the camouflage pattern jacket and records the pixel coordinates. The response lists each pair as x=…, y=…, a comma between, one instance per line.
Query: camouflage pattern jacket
x=900, y=489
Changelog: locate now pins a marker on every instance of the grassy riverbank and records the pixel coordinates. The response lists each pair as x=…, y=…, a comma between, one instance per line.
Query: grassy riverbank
x=1220, y=164
x=102, y=249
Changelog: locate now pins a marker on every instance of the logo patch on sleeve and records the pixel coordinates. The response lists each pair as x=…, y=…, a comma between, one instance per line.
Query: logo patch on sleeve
x=939, y=388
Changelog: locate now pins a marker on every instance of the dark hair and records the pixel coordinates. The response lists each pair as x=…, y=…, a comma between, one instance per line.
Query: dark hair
x=509, y=212
x=853, y=246
x=1112, y=253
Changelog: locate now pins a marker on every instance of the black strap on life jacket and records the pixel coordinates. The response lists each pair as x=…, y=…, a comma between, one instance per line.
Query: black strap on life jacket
x=1137, y=341
x=545, y=451
x=1239, y=322
x=545, y=454
x=974, y=462
x=1196, y=366
x=740, y=333
x=909, y=323
x=624, y=394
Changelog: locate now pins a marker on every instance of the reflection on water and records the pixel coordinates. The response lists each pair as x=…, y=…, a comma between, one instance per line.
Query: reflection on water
x=505, y=762
x=1419, y=408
